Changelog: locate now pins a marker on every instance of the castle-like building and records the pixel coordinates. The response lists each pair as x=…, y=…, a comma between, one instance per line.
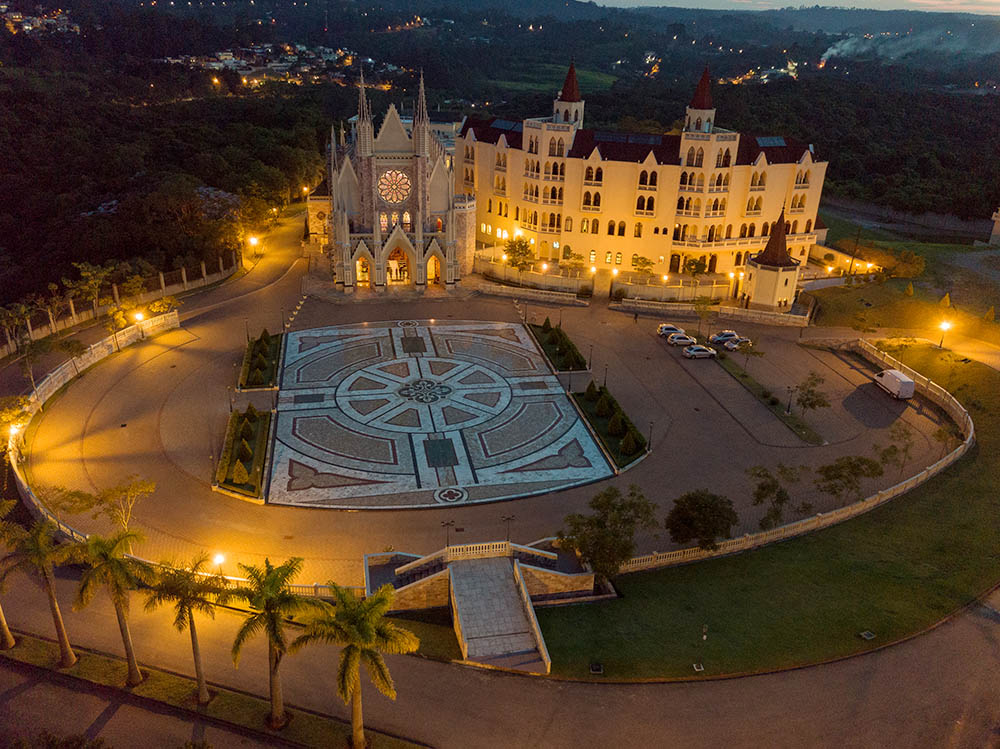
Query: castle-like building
x=405, y=210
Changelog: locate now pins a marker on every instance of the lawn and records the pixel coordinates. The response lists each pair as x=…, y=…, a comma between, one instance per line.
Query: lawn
x=307, y=729
x=893, y=571
x=563, y=354
x=611, y=442
x=549, y=78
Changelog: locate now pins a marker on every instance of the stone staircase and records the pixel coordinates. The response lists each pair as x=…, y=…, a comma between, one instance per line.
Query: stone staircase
x=493, y=616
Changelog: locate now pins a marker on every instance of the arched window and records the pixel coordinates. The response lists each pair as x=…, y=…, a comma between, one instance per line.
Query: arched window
x=718, y=159
x=395, y=218
x=406, y=221
x=597, y=200
x=690, y=157
x=562, y=170
x=722, y=204
x=569, y=223
x=754, y=179
x=589, y=174
x=809, y=226
x=680, y=204
x=687, y=204
x=552, y=147
x=618, y=258
x=805, y=179
x=585, y=225
x=708, y=125
x=802, y=202
x=798, y=177
x=621, y=228
x=489, y=205
x=739, y=259
x=788, y=227
x=729, y=231
x=763, y=179
x=576, y=115
x=611, y=228
x=593, y=256
x=752, y=231
x=711, y=234
x=652, y=179
x=383, y=221
x=506, y=210
x=565, y=115
x=712, y=262
x=560, y=194
x=635, y=259
x=765, y=229
x=677, y=234
x=594, y=227
x=649, y=203
x=697, y=124
x=643, y=177
x=554, y=221
x=599, y=175
x=675, y=263
x=684, y=179
x=715, y=204
x=561, y=146
x=727, y=158
x=701, y=181
x=517, y=213
x=567, y=251
x=586, y=198
x=638, y=229
x=697, y=205
x=552, y=193
x=743, y=231
x=758, y=204
x=438, y=224
x=750, y=205
x=548, y=169
x=699, y=160
x=640, y=203
x=795, y=226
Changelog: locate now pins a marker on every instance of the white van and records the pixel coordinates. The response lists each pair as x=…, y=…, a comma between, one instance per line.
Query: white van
x=895, y=383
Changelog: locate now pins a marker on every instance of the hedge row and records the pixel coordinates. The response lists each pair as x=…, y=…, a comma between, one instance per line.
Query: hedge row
x=260, y=362
x=615, y=428
x=242, y=461
x=226, y=458
x=558, y=347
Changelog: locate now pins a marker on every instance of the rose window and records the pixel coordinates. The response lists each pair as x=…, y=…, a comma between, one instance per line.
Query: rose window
x=394, y=186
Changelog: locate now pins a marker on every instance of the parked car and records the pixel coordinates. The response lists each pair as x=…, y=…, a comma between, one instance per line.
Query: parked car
x=733, y=344
x=699, y=352
x=895, y=383
x=680, y=339
x=664, y=329
x=723, y=335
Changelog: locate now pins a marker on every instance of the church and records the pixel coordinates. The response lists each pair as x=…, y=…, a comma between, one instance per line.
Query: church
x=392, y=217
x=407, y=206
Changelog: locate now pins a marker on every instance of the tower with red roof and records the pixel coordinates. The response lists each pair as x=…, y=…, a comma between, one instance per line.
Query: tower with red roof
x=568, y=105
x=700, y=112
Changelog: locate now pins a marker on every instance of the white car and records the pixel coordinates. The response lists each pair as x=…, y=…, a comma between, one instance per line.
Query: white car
x=699, y=352
x=723, y=335
x=680, y=339
x=733, y=344
x=665, y=329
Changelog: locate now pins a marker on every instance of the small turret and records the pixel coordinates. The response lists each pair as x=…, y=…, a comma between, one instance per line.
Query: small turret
x=700, y=112
x=568, y=106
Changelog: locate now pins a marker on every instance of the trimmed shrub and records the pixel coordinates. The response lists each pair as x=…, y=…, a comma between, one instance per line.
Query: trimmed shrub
x=554, y=338
x=765, y=393
x=256, y=378
x=909, y=289
x=604, y=405
x=251, y=413
x=260, y=362
x=265, y=337
x=616, y=426
x=945, y=300
x=618, y=295
x=592, y=393
x=547, y=325
x=246, y=430
x=630, y=445
x=246, y=452
x=240, y=473
x=227, y=448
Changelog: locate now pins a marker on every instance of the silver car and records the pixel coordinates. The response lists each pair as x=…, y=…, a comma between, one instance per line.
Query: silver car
x=665, y=329
x=733, y=344
x=724, y=335
x=699, y=352
x=680, y=339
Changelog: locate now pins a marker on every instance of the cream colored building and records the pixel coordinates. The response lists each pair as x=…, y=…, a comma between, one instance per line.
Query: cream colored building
x=612, y=197
x=995, y=236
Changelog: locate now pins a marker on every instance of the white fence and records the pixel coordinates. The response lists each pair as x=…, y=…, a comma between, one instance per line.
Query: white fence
x=763, y=316
x=672, y=292
x=535, y=295
x=932, y=391
x=474, y=551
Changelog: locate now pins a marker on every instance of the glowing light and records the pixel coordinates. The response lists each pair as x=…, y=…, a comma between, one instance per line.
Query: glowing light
x=253, y=241
x=504, y=257
x=545, y=266
x=741, y=274
x=829, y=269
x=14, y=429
x=593, y=269
x=614, y=271
x=945, y=325
x=305, y=189
x=666, y=278
x=218, y=559
x=732, y=274
x=139, y=317
x=215, y=81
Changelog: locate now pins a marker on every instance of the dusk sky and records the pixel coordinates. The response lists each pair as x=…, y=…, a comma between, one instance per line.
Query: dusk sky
x=960, y=6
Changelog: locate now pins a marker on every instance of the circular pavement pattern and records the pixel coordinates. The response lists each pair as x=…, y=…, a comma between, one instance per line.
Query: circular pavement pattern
x=423, y=414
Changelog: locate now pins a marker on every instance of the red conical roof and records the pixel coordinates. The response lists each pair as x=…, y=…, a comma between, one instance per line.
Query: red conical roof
x=570, y=88
x=775, y=254
x=703, y=94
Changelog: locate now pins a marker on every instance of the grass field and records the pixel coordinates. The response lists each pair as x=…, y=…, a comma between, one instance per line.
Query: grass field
x=550, y=77
x=893, y=571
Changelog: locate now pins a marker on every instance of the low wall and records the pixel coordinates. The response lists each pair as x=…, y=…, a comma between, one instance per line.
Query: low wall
x=179, y=282
x=763, y=316
x=543, y=583
x=535, y=295
x=529, y=612
x=930, y=390
x=456, y=620
x=428, y=593
x=676, y=292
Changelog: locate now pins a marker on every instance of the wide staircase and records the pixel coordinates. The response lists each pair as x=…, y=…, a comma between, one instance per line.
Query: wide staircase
x=494, y=618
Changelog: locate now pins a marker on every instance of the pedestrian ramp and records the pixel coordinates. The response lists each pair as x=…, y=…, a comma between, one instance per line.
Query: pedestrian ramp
x=493, y=615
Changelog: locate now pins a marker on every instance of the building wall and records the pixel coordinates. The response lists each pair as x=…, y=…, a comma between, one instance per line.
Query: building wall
x=496, y=209
x=770, y=288
x=319, y=207
x=431, y=592
x=541, y=582
x=995, y=237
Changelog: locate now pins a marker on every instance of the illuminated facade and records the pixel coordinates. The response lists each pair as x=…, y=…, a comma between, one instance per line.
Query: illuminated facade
x=612, y=197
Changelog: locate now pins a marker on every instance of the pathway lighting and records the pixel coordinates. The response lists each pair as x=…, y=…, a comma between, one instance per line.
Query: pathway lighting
x=732, y=275
x=614, y=271
x=945, y=326
x=253, y=241
x=593, y=269
x=829, y=269
x=139, y=317
x=665, y=278
x=545, y=267
x=741, y=274
x=218, y=559
x=504, y=257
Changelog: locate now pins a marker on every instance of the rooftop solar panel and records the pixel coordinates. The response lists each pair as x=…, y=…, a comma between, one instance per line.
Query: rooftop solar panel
x=504, y=124
x=611, y=137
x=770, y=142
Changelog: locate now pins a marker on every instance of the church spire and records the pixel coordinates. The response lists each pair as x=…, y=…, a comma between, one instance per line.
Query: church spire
x=775, y=254
x=421, y=123
x=702, y=98
x=366, y=130
x=570, y=89
x=701, y=111
x=568, y=106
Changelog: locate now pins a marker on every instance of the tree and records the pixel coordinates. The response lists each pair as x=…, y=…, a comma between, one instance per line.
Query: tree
x=573, y=261
x=74, y=347
x=809, y=396
x=359, y=626
x=945, y=300
x=35, y=552
x=117, y=503
x=749, y=348
x=605, y=539
x=115, y=320
x=107, y=564
x=271, y=600
x=695, y=267
x=13, y=413
x=519, y=254
x=31, y=352
x=6, y=638
x=901, y=437
x=643, y=266
x=770, y=489
x=947, y=438
x=842, y=478
x=163, y=305
x=190, y=590
x=702, y=308
x=702, y=516
x=92, y=278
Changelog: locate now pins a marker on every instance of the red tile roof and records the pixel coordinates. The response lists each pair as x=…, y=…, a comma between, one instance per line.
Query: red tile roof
x=775, y=254
x=703, y=94
x=570, y=88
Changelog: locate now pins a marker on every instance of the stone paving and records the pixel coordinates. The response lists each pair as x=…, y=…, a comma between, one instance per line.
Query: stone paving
x=493, y=618
x=421, y=414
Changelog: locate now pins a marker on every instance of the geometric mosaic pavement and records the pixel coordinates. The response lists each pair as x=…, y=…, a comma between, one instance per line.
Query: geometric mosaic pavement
x=423, y=414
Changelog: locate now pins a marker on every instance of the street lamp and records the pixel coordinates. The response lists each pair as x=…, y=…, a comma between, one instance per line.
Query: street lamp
x=506, y=519
x=593, y=269
x=218, y=559
x=791, y=389
x=945, y=326
x=447, y=525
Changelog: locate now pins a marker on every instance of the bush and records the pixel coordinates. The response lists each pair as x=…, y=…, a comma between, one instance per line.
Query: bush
x=616, y=426
x=585, y=292
x=618, y=295
x=773, y=400
x=227, y=448
x=260, y=363
x=240, y=473
x=265, y=337
x=251, y=414
x=246, y=430
x=765, y=393
x=630, y=446
x=547, y=325
x=909, y=289
x=990, y=315
x=604, y=405
x=592, y=393
x=246, y=452
x=554, y=337
x=256, y=378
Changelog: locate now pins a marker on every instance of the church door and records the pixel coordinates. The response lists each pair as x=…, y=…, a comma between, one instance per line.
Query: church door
x=398, y=270
x=363, y=272
x=434, y=270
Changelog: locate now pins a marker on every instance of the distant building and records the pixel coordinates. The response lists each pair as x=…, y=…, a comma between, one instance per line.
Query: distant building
x=704, y=193
x=995, y=236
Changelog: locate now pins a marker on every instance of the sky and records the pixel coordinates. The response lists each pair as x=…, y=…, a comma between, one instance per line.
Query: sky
x=959, y=6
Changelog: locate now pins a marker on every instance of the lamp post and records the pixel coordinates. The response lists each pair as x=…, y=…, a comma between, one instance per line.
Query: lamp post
x=649, y=442
x=246, y=328
x=590, y=364
x=945, y=326
x=605, y=375
x=506, y=519
x=447, y=525
x=139, y=317
x=791, y=389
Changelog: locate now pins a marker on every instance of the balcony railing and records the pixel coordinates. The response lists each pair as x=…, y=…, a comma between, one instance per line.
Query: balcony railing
x=500, y=167
x=552, y=201
x=591, y=208
x=532, y=175
x=555, y=178
x=692, y=214
x=647, y=187
x=593, y=182
x=752, y=213
x=549, y=229
x=645, y=213
x=758, y=188
x=723, y=188
x=691, y=188
x=802, y=186
x=530, y=198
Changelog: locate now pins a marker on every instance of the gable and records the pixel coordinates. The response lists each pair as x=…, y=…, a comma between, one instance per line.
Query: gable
x=392, y=136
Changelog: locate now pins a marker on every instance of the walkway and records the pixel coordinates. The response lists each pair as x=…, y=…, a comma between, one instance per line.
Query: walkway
x=494, y=622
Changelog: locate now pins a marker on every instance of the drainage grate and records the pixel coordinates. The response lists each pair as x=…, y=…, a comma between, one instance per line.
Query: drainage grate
x=698, y=667
x=597, y=669
x=866, y=635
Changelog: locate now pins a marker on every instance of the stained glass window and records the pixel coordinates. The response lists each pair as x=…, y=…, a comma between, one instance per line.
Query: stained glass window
x=394, y=186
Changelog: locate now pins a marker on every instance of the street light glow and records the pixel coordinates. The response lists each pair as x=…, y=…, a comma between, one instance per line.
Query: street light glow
x=666, y=278
x=545, y=266
x=218, y=559
x=504, y=257
x=305, y=189
x=253, y=241
x=732, y=275
x=614, y=271
x=139, y=317
x=945, y=325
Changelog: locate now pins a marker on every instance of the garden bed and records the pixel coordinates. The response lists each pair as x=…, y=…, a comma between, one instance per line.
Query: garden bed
x=241, y=463
x=561, y=352
x=260, y=363
x=602, y=425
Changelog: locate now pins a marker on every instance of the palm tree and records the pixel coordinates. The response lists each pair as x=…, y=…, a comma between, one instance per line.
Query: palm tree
x=35, y=552
x=6, y=638
x=269, y=595
x=107, y=563
x=189, y=590
x=360, y=626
